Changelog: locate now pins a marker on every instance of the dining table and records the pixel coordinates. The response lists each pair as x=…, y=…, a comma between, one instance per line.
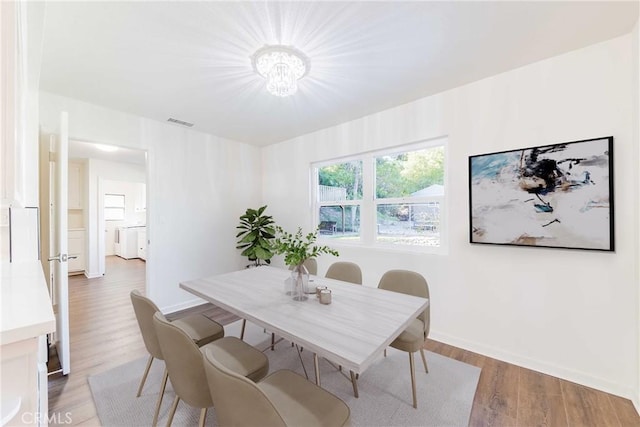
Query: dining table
x=351, y=331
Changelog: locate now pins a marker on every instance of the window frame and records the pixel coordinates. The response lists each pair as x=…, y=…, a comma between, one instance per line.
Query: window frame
x=114, y=207
x=316, y=196
x=368, y=236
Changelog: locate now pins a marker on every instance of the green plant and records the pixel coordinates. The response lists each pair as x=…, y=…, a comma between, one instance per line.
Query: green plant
x=297, y=248
x=256, y=234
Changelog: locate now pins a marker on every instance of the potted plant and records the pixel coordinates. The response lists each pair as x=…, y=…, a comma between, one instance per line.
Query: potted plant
x=297, y=248
x=256, y=235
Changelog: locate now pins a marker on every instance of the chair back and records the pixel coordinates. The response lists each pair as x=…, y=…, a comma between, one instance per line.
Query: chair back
x=410, y=283
x=184, y=363
x=238, y=400
x=345, y=271
x=145, y=309
x=310, y=264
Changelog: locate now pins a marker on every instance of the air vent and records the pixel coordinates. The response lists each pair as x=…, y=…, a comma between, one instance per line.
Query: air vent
x=179, y=122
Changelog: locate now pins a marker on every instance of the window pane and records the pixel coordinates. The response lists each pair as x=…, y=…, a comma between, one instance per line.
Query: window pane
x=409, y=224
x=114, y=214
x=340, y=222
x=340, y=181
x=417, y=173
x=114, y=200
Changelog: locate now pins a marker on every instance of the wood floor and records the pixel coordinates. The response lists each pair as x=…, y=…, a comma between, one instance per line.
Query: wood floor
x=104, y=334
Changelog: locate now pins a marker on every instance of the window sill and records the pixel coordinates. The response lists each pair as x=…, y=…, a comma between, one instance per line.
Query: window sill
x=389, y=248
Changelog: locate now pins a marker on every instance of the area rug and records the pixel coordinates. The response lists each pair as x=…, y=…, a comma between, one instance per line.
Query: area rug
x=445, y=394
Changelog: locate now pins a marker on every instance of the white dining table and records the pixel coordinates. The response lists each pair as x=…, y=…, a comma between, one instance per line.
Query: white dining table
x=352, y=331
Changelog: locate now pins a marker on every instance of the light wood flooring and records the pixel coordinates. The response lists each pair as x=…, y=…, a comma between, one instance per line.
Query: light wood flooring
x=104, y=334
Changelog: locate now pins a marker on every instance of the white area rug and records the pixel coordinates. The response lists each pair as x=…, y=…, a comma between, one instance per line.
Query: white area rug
x=445, y=394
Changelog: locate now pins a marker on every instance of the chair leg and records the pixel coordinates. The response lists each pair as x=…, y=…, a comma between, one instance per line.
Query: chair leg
x=273, y=341
x=354, y=383
x=160, y=396
x=424, y=360
x=144, y=376
x=244, y=324
x=317, y=369
x=385, y=352
x=302, y=362
x=173, y=411
x=203, y=415
x=412, y=366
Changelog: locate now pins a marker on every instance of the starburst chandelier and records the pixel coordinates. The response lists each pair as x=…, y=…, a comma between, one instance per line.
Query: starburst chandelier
x=282, y=67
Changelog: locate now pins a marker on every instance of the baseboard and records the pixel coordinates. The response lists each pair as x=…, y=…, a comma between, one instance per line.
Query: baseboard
x=578, y=377
x=92, y=275
x=182, y=306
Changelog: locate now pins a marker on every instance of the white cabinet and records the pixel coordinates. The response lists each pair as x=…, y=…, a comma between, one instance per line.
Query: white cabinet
x=126, y=241
x=142, y=244
x=26, y=316
x=76, y=249
x=141, y=197
x=76, y=186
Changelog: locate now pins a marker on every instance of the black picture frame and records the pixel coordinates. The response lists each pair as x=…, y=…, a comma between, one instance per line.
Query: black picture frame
x=550, y=196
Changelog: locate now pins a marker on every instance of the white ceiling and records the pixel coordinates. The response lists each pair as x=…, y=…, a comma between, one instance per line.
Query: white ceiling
x=191, y=60
x=88, y=150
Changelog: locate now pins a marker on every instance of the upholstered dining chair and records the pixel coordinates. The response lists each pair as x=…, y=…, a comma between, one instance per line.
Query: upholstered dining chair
x=200, y=329
x=284, y=398
x=345, y=271
x=310, y=264
x=413, y=338
x=184, y=362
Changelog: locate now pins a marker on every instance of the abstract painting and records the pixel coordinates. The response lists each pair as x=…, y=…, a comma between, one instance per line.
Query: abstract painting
x=558, y=196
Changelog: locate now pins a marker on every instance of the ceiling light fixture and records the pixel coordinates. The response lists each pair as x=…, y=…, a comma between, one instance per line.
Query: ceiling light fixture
x=282, y=66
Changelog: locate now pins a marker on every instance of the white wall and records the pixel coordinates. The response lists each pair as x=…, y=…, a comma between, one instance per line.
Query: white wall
x=197, y=186
x=573, y=314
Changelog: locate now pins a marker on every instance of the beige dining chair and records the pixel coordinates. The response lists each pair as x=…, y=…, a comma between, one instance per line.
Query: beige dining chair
x=284, y=398
x=345, y=271
x=310, y=264
x=412, y=339
x=184, y=362
x=200, y=329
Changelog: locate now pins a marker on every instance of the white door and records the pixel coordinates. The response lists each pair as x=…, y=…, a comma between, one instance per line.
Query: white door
x=58, y=230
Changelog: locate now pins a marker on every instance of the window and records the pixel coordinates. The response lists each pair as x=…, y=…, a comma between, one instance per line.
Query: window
x=340, y=199
x=409, y=189
x=114, y=207
x=392, y=197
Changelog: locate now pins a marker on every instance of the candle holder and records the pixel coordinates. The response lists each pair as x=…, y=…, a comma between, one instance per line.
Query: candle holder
x=325, y=296
x=319, y=289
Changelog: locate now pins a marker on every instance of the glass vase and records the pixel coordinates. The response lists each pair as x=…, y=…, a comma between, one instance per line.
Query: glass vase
x=300, y=282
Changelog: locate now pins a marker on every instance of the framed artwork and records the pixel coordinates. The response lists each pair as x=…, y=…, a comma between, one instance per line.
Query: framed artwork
x=555, y=196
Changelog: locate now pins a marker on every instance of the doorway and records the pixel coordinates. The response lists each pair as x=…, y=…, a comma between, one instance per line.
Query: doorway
x=112, y=181
x=93, y=169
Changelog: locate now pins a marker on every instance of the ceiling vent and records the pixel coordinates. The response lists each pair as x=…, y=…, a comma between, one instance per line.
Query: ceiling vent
x=179, y=122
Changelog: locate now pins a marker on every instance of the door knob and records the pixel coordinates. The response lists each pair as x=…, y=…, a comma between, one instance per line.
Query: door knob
x=60, y=258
